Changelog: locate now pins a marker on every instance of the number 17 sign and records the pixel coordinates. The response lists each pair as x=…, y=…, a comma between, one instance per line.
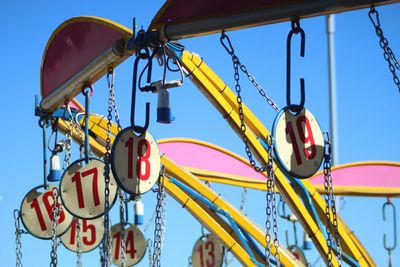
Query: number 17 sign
x=299, y=143
x=135, y=161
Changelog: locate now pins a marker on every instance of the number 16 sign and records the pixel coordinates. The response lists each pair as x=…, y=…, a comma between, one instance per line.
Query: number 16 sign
x=135, y=161
x=299, y=143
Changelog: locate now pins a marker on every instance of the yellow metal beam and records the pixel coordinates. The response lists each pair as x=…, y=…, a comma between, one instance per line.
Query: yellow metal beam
x=184, y=176
x=202, y=216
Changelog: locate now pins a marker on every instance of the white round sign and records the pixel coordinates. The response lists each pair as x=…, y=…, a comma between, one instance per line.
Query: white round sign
x=135, y=161
x=37, y=213
x=299, y=143
x=90, y=235
x=82, y=189
x=208, y=252
x=135, y=245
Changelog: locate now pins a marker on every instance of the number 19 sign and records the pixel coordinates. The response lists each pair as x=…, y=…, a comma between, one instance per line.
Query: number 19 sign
x=135, y=161
x=299, y=143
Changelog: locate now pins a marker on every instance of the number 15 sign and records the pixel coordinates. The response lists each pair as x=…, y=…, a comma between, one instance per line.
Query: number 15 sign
x=135, y=161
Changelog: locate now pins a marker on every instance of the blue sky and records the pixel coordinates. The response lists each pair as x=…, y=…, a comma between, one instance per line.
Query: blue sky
x=367, y=99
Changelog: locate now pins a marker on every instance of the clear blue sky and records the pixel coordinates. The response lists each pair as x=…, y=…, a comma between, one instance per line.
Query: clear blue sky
x=367, y=98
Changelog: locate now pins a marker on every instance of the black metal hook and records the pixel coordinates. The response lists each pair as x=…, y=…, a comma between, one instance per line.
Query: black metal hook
x=296, y=29
x=390, y=203
x=136, y=128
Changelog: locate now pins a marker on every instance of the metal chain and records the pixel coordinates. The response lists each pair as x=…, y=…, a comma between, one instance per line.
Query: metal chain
x=18, y=244
x=122, y=224
x=149, y=244
x=107, y=231
x=78, y=243
x=330, y=205
x=384, y=44
x=243, y=200
x=68, y=137
x=243, y=127
x=56, y=211
x=111, y=101
x=271, y=209
x=158, y=231
x=229, y=48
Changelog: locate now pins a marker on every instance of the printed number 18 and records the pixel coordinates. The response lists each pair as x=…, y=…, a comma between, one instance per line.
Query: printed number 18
x=143, y=159
x=310, y=152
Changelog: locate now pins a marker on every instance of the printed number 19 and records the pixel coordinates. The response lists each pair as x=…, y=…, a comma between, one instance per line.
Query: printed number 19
x=308, y=152
x=143, y=159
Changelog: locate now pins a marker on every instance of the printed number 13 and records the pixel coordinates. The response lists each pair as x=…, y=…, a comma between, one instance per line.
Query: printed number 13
x=308, y=152
x=143, y=159
x=210, y=260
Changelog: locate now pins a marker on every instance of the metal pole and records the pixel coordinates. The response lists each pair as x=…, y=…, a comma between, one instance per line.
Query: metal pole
x=330, y=30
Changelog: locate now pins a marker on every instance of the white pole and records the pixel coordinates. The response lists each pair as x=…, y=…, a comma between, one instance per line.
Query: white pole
x=330, y=29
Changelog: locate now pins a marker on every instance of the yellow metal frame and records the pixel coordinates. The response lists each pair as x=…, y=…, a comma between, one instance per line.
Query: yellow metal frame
x=224, y=100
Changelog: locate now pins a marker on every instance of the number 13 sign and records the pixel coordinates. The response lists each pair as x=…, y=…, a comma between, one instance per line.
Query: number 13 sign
x=135, y=161
x=207, y=252
x=299, y=143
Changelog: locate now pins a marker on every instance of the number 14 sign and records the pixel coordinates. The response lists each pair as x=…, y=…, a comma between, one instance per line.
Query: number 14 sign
x=135, y=161
x=299, y=143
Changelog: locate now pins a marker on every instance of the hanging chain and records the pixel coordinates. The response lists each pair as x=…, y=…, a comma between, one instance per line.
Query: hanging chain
x=18, y=244
x=122, y=224
x=243, y=200
x=243, y=127
x=158, y=229
x=56, y=211
x=111, y=100
x=68, y=137
x=149, y=244
x=384, y=44
x=78, y=243
x=271, y=210
x=330, y=205
x=229, y=48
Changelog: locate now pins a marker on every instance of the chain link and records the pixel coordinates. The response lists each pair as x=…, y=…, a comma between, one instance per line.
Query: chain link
x=149, y=244
x=56, y=211
x=243, y=127
x=78, y=243
x=229, y=48
x=243, y=200
x=330, y=206
x=18, y=244
x=384, y=44
x=122, y=224
x=271, y=209
x=158, y=229
x=68, y=141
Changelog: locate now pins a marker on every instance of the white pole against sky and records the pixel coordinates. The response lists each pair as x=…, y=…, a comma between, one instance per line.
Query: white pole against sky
x=330, y=30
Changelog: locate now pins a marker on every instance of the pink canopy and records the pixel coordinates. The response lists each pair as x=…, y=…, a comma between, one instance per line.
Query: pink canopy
x=363, y=178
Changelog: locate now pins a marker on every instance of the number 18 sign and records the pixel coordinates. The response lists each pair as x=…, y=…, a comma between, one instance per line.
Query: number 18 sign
x=299, y=143
x=135, y=161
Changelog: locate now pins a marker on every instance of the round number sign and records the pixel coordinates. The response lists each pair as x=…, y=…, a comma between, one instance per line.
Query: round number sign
x=135, y=161
x=82, y=189
x=37, y=213
x=90, y=235
x=208, y=252
x=135, y=245
x=299, y=143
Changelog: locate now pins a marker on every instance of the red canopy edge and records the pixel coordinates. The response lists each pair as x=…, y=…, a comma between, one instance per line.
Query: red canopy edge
x=179, y=19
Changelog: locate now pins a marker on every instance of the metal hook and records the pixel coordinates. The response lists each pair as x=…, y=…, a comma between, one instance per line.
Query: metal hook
x=295, y=235
x=390, y=203
x=136, y=128
x=296, y=29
